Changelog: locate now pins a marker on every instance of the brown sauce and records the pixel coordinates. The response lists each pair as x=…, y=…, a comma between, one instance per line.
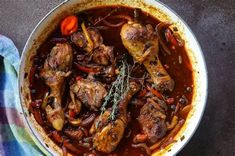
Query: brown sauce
x=180, y=72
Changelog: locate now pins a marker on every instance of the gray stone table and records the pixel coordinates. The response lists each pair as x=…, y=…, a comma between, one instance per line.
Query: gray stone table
x=212, y=21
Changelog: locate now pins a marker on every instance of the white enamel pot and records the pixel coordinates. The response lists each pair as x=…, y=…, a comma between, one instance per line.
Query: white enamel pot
x=155, y=8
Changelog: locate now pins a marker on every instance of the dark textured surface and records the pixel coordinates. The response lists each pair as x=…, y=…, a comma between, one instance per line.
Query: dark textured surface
x=212, y=21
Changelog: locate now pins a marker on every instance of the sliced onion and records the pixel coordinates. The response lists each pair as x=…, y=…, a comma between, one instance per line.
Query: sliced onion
x=128, y=134
x=185, y=110
x=75, y=122
x=173, y=123
x=100, y=19
x=101, y=27
x=88, y=120
x=156, y=145
x=36, y=103
x=142, y=145
x=168, y=142
x=85, y=131
x=38, y=116
x=32, y=74
x=169, y=138
x=58, y=40
x=121, y=16
x=65, y=153
x=113, y=25
x=179, y=40
x=56, y=136
x=45, y=100
x=70, y=147
x=177, y=108
x=160, y=29
x=140, y=138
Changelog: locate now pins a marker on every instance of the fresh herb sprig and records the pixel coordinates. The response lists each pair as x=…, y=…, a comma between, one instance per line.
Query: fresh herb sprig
x=118, y=89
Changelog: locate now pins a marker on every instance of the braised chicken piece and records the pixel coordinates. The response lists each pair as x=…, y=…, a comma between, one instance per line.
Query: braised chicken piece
x=108, y=133
x=73, y=133
x=103, y=55
x=75, y=105
x=152, y=120
x=89, y=92
x=142, y=43
x=56, y=68
x=80, y=39
x=92, y=42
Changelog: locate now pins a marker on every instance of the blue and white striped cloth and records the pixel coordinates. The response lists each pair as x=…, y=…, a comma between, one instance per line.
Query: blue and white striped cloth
x=14, y=138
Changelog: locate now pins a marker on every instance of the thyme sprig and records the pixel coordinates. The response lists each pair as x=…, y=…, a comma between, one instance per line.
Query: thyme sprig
x=117, y=91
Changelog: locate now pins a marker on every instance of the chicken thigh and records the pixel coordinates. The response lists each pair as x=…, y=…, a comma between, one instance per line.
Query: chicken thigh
x=89, y=92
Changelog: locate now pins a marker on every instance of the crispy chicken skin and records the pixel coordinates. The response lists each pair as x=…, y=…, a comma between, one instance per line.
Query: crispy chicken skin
x=142, y=43
x=56, y=68
x=89, y=92
x=108, y=134
x=152, y=120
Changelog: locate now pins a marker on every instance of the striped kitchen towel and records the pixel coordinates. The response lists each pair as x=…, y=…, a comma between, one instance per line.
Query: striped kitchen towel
x=14, y=137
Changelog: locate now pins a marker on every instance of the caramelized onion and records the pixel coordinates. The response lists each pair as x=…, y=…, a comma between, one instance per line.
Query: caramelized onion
x=142, y=145
x=140, y=138
x=113, y=25
x=56, y=136
x=160, y=29
x=88, y=120
x=36, y=103
x=128, y=133
x=38, y=116
x=85, y=131
x=70, y=147
x=106, y=16
x=45, y=100
x=32, y=74
x=65, y=153
x=75, y=122
x=87, y=69
x=169, y=37
x=58, y=40
x=121, y=16
x=165, y=141
x=177, y=108
x=179, y=40
x=173, y=123
x=168, y=142
x=185, y=111
x=156, y=145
